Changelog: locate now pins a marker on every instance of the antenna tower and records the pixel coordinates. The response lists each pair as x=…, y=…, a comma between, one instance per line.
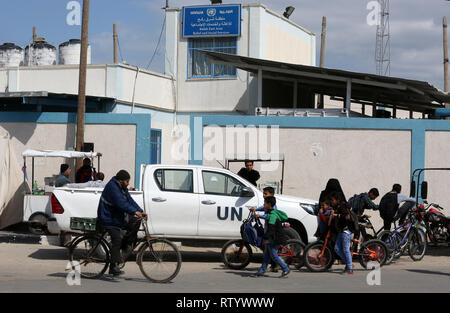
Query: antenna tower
x=383, y=45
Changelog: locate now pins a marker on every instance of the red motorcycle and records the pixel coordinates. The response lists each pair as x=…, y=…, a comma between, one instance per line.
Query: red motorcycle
x=436, y=223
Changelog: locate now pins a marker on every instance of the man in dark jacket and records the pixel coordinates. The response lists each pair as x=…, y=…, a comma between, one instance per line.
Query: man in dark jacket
x=115, y=202
x=249, y=173
x=389, y=206
x=273, y=237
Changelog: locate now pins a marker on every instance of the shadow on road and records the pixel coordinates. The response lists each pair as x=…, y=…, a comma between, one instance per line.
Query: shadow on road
x=50, y=254
x=109, y=278
x=187, y=256
x=429, y=272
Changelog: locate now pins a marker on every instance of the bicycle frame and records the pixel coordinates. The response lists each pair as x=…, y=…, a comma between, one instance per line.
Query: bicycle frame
x=396, y=233
x=93, y=249
x=251, y=218
x=372, y=254
x=101, y=236
x=322, y=252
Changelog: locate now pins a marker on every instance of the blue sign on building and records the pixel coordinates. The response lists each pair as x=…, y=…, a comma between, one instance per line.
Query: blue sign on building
x=212, y=21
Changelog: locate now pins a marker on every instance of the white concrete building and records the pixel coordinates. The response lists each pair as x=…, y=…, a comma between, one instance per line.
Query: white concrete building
x=203, y=87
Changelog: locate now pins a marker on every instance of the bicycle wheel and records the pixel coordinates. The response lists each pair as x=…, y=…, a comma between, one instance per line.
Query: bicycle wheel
x=314, y=261
x=236, y=254
x=392, y=243
x=373, y=251
x=159, y=260
x=92, y=254
x=417, y=245
x=292, y=253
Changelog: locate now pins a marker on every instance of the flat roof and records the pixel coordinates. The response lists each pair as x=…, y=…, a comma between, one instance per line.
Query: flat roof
x=369, y=89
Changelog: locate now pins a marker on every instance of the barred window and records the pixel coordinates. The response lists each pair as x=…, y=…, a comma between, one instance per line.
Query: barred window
x=199, y=66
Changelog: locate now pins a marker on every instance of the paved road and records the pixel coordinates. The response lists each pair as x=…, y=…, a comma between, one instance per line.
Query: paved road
x=36, y=268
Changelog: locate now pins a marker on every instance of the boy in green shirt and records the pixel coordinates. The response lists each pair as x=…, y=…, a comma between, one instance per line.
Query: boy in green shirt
x=273, y=238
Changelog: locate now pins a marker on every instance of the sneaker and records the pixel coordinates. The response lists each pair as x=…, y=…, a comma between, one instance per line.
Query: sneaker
x=115, y=270
x=285, y=274
x=348, y=271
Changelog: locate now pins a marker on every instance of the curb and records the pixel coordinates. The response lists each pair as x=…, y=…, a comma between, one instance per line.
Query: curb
x=12, y=238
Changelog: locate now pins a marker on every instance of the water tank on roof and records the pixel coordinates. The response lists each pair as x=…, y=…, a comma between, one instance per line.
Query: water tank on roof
x=69, y=52
x=40, y=53
x=11, y=55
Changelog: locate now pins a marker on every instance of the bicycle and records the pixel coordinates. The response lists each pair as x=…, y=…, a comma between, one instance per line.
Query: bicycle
x=319, y=256
x=365, y=223
x=408, y=236
x=237, y=253
x=159, y=259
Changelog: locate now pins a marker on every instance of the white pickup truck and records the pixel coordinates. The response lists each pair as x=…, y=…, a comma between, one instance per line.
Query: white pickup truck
x=189, y=203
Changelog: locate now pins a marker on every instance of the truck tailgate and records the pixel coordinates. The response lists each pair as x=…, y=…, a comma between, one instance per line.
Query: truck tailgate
x=82, y=203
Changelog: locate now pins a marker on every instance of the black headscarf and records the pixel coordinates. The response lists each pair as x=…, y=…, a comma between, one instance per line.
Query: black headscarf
x=333, y=185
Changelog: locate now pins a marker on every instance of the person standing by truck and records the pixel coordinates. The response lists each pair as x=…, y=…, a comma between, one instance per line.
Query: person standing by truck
x=114, y=203
x=248, y=173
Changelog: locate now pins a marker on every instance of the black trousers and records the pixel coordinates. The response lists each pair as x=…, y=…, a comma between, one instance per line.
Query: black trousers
x=387, y=223
x=118, y=241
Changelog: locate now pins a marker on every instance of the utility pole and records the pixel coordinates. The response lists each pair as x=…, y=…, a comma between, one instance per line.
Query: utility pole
x=82, y=80
x=321, y=103
x=115, y=42
x=34, y=34
x=447, y=105
x=445, y=56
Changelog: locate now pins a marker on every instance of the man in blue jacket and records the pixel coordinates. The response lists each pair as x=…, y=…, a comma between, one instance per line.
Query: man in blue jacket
x=115, y=202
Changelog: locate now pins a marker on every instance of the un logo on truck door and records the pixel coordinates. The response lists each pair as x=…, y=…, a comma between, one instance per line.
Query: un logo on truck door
x=222, y=214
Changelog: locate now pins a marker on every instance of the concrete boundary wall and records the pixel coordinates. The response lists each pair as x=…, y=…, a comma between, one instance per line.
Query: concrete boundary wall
x=411, y=144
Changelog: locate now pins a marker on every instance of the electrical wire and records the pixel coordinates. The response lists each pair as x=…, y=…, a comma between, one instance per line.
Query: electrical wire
x=120, y=49
x=163, y=27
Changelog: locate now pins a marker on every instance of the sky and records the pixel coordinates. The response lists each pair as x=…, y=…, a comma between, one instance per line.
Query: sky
x=415, y=25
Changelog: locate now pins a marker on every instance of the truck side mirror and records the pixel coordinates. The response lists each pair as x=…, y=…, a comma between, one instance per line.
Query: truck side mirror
x=412, y=192
x=247, y=192
x=424, y=190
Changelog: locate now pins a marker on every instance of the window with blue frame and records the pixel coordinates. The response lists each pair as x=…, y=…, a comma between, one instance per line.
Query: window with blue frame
x=199, y=66
x=155, y=146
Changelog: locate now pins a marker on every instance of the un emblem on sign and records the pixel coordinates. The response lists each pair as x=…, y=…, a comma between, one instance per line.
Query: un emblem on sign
x=211, y=12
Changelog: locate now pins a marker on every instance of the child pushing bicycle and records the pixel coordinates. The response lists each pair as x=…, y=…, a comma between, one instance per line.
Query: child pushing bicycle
x=273, y=238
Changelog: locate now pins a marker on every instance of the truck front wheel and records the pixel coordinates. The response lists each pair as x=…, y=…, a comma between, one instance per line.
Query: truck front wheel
x=291, y=233
x=37, y=224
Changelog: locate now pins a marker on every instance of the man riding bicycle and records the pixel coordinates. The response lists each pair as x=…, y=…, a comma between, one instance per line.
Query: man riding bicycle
x=115, y=203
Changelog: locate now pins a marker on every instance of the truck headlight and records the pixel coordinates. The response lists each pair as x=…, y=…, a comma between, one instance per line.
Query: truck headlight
x=310, y=208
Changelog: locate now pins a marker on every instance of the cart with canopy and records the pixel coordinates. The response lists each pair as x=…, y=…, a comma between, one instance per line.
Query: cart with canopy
x=37, y=209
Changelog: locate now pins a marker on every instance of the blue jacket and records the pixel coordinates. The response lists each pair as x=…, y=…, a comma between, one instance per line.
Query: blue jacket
x=262, y=209
x=114, y=203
